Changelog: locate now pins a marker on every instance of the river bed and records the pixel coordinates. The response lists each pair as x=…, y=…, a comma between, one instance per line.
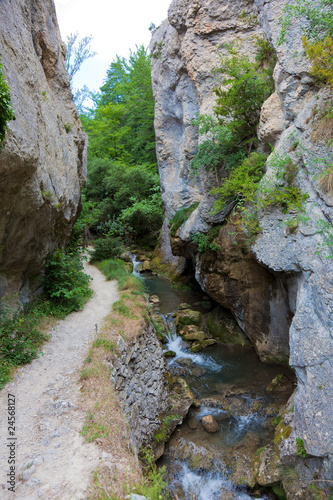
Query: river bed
x=230, y=383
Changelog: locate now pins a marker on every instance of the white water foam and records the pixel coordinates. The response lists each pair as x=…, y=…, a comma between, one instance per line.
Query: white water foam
x=135, y=262
x=177, y=345
x=207, y=486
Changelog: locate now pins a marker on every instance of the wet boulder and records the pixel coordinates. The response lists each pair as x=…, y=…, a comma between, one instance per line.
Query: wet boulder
x=169, y=354
x=183, y=306
x=198, y=346
x=187, y=317
x=154, y=299
x=210, y=424
x=192, y=332
x=144, y=266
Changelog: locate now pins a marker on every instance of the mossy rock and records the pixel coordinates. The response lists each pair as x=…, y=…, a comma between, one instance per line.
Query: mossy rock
x=144, y=266
x=222, y=326
x=187, y=317
x=192, y=332
x=183, y=306
x=169, y=354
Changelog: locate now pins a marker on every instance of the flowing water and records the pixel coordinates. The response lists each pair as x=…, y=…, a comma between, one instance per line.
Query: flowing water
x=229, y=383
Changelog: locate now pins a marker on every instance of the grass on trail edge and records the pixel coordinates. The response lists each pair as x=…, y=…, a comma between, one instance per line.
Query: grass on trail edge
x=105, y=424
x=23, y=333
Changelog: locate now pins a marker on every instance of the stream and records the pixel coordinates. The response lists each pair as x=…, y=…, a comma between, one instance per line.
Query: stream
x=230, y=384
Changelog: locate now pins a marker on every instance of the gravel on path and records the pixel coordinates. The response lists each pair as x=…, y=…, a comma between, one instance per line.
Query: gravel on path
x=53, y=461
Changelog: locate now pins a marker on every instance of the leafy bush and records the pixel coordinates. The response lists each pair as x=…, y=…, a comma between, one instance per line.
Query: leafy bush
x=320, y=53
x=64, y=281
x=106, y=248
x=231, y=135
x=144, y=216
x=242, y=183
x=280, y=190
x=204, y=241
x=180, y=217
x=6, y=111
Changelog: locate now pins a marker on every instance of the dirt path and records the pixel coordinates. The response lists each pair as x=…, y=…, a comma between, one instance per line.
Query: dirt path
x=52, y=460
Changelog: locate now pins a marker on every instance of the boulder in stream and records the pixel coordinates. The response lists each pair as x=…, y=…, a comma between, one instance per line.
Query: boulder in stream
x=187, y=317
x=210, y=423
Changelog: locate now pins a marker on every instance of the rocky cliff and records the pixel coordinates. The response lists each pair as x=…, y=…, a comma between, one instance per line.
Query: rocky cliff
x=278, y=288
x=43, y=163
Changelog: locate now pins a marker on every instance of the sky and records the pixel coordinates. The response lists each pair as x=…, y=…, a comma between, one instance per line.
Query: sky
x=116, y=26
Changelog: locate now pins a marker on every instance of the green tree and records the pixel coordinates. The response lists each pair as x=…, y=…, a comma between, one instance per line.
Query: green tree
x=125, y=112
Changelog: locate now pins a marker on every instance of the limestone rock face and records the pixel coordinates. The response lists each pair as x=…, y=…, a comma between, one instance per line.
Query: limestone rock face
x=43, y=163
x=279, y=289
x=184, y=51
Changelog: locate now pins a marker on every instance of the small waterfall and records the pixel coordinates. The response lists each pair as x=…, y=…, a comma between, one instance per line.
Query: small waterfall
x=177, y=345
x=135, y=262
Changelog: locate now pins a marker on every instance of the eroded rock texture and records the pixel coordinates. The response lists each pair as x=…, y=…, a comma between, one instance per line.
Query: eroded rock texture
x=43, y=164
x=154, y=405
x=280, y=288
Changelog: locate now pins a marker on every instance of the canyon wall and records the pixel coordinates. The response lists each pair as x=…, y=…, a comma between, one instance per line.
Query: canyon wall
x=43, y=163
x=279, y=288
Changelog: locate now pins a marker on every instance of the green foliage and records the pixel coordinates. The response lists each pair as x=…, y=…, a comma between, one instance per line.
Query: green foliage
x=319, y=16
x=106, y=248
x=180, y=217
x=300, y=450
x=231, y=134
x=127, y=198
x=21, y=334
x=204, y=242
x=249, y=86
x=320, y=53
x=6, y=111
x=64, y=282
x=144, y=216
x=242, y=183
x=123, y=184
x=122, y=126
x=155, y=487
x=280, y=189
x=116, y=269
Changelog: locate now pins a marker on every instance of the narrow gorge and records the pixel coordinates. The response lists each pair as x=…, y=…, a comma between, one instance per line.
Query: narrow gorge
x=210, y=376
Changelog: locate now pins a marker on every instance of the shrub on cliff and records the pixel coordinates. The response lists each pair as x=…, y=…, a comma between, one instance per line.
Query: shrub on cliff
x=6, y=112
x=230, y=134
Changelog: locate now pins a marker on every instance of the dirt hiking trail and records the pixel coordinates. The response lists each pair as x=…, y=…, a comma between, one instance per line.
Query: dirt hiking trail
x=53, y=461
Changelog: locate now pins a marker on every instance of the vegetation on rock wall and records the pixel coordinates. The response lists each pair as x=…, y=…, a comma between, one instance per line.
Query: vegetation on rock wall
x=317, y=39
x=230, y=135
x=6, y=111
